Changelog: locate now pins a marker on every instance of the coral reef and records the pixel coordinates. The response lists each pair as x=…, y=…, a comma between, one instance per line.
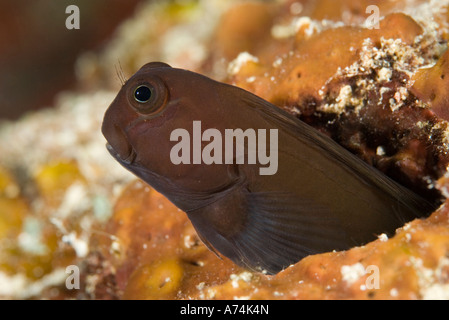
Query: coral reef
x=378, y=90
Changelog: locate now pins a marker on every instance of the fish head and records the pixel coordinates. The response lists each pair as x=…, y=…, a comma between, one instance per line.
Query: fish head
x=140, y=122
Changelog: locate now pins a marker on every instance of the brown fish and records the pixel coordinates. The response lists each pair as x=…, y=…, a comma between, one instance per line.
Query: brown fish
x=286, y=192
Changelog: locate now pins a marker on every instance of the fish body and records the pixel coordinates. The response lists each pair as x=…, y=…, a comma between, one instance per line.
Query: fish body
x=314, y=196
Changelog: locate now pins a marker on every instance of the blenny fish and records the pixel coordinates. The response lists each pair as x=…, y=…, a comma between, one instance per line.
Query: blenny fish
x=316, y=197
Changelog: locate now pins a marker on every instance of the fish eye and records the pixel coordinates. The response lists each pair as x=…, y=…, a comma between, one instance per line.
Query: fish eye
x=148, y=96
x=143, y=94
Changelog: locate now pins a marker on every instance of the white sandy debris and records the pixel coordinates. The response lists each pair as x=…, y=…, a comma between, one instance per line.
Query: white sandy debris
x=79, y=244
x=394, y=292
x=242, y=59
x=19, y=286
x=433, y=283
x=352, y=273
x=244, y=276
x=304, y=24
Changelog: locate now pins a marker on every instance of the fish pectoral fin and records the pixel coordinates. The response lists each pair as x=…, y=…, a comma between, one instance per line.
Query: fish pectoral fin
x=283, y=228
x=268, y=231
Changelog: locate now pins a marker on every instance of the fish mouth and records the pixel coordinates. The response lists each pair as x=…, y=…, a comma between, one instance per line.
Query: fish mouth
x=117, y=143
x=129, y=159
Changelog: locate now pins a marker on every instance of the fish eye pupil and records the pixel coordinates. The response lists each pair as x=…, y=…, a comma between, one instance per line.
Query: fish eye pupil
x=142, y=94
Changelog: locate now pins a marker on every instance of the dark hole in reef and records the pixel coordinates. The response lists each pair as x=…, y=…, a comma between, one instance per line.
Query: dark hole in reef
x=162, y=284
x=355, y=11
x=192, y=263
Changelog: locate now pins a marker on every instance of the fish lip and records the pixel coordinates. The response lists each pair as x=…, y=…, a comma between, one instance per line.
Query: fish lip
x=128, y=160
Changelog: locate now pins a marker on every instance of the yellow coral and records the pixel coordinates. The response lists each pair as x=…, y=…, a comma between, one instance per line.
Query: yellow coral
x=54, y=178
x=159, y=280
